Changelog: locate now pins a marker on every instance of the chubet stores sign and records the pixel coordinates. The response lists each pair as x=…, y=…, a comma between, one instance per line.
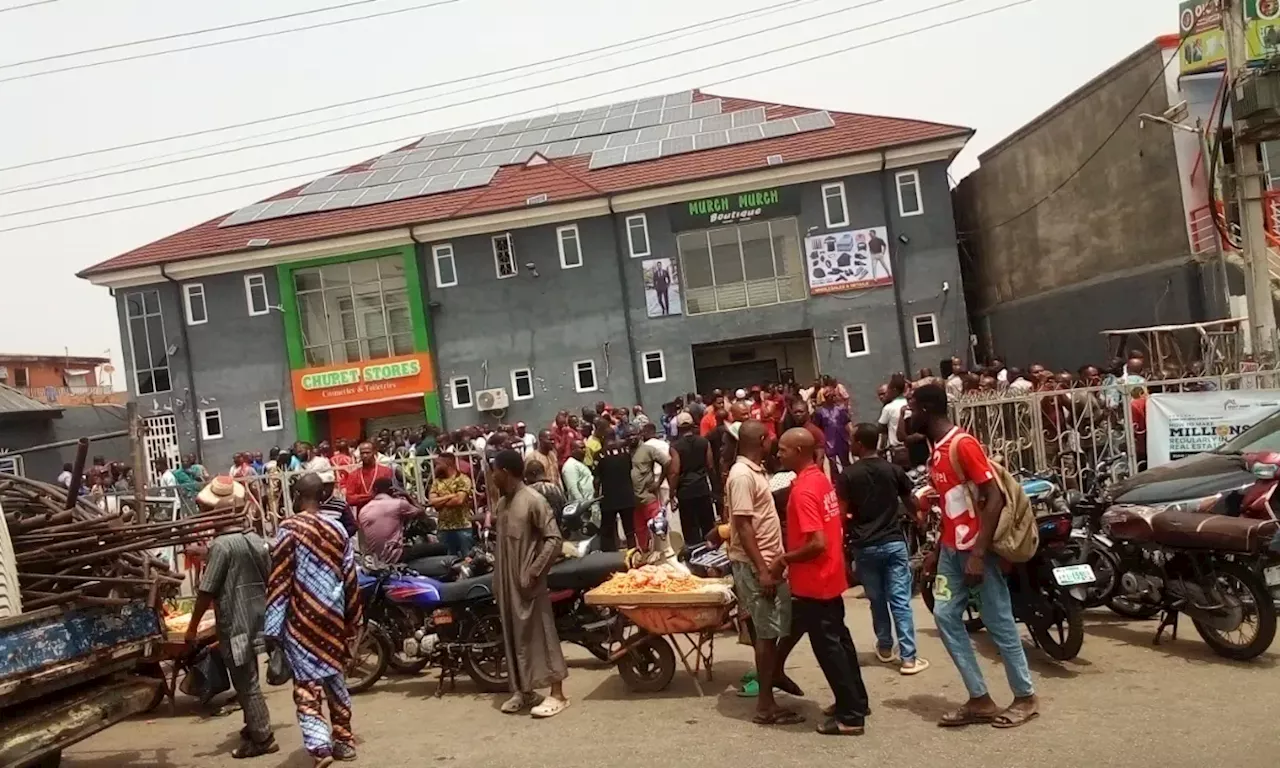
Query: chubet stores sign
x=316, y=389
x=736, y=208
x=1186, y=423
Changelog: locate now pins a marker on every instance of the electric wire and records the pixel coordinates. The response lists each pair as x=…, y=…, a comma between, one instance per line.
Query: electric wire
x=26, y=5
x=765, y=70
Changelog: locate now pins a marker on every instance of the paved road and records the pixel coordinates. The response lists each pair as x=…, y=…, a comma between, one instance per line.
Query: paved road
x=1122, y=703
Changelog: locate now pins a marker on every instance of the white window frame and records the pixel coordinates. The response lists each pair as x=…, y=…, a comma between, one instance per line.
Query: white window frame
x=511, y=248
x=204, y=424
x=915, y=329
x=631, y=243
x=262, y=413
x=438, y=253
x=644, y=365
x=898, y=179
x=453, y=392
x=257, y=278
x=866, y=340
x=844, y=205
x=577, y=380
x=188, y=291
x=577, y=241
x=515, y=391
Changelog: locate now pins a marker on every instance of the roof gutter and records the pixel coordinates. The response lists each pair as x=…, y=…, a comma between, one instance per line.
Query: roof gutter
x=622, y=257
x=192, y=397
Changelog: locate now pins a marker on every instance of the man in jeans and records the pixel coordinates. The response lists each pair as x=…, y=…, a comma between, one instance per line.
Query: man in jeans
x=869, y=492
x=966, y=562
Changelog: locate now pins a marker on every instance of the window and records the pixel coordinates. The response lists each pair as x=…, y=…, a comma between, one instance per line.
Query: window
x=353, y=311
x=855, y=340
x=638, y=235
x=21, y=377
x=460, y=386
x=255, y=295
x=197, y=312
x=909, y=202
x=504, y=256
x=834, y=206
x=655, y=367
x=272, y=417
x=584, y=376
x=522, y=384
x=446, y=269
x=750, y=265
x=926, y=330
x=147, y=344
x=570, y=246
x=211, y=423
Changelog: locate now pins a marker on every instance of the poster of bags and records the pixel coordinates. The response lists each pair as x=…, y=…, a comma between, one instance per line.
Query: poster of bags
x=848, y=261
x=661, y=288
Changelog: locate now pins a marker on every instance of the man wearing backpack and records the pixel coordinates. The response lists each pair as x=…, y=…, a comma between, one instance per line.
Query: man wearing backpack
x=972, y=503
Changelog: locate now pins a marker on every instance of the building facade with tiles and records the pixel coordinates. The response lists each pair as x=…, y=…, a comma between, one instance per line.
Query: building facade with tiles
x=790, y=244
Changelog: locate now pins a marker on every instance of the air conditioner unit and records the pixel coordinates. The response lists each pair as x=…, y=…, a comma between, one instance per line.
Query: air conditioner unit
x=492, y=399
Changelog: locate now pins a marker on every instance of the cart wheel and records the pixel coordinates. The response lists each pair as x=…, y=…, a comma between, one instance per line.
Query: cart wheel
x=156, y=672
x=649, y=666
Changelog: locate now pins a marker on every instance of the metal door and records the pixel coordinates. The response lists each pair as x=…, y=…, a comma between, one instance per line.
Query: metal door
x=160, y=441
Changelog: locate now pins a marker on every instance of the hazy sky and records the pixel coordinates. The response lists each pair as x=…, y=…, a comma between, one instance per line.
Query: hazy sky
x=993, y=73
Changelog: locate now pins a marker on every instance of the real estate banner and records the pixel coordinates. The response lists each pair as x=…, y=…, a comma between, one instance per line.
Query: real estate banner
x=848, y=260
x=367, y=381
x=1182, y=424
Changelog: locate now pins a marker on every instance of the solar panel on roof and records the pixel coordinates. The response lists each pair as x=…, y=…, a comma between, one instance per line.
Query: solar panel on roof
x=559, y=132
x=626, y=138
x=244, y=215
x=775, y=128
x=705, y=108
x=748, y=117
x=376, y=195
x=310, y=203
x=342, y=199
x=640, y=152
x=716, y=123
x=710, y=140
x=591, y=144
x=814, y=121
x=745, y=133
x=469, y=162
x=561, y=149
x=655, y=133
x=408, y=189
x=325, y=184
x=606, y=157
x=676, y=146
x=352, y=181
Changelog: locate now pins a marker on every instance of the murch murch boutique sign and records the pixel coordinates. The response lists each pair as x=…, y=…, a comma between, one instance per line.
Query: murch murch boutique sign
x=737, y=208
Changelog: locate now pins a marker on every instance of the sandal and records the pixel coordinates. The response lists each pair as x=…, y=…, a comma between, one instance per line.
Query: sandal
x=249, y=748
x=965, y=716
x=550, y=707
x=779, y=717
x=1012, y=718
x=518, y=703
x=343, y=751
x=833, y=727
x=918, y=665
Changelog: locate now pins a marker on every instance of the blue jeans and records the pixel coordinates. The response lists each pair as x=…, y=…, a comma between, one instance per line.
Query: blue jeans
x=458, y=541
x=951, y=597
x=885, y=571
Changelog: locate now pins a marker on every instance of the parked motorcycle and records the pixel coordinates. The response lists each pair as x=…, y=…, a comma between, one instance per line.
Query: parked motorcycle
x=1179, y=562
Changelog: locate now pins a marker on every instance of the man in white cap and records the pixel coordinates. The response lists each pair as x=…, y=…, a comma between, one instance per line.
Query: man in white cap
x=237, y=565
x=530, y=442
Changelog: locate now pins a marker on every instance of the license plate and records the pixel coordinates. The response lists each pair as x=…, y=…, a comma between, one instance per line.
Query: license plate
x=1272, y=575
x=442, y=616
x=1070, y=575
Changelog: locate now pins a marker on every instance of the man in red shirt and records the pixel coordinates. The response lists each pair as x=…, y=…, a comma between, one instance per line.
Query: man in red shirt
x=971, y=504
x=563, y=436
x=358, y=483
x=814, y=561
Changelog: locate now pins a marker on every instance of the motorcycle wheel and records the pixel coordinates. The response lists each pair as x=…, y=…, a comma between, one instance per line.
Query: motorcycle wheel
x=369, y=662
x=973, y=619
x=486, y=667
x=1243, y=585
x=649, y=666
x=1062, y=638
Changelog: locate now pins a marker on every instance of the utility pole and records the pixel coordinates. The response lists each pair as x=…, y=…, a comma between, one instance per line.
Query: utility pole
x=1262, y=316
x=138, y=452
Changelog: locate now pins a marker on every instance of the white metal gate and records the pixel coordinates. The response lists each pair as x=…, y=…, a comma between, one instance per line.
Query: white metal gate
x=160, y=441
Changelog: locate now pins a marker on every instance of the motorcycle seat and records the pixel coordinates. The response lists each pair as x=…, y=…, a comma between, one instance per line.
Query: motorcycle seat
x=435, y=567
x=1190, y=530
x=463, y=590
x=582, y=573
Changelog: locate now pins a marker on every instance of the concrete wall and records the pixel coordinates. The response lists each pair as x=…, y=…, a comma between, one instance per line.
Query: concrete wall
x=238, y=361
x=1042, y=277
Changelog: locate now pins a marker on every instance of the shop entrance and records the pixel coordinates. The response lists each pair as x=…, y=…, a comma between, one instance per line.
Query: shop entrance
x=358, y=422
x=758, y=360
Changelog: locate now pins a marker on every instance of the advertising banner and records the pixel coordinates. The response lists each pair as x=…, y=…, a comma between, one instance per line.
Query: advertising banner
x=661, y=288
x=368, y=381
x=738, y=208
x=848, y=260
x=1262, y=28
x=1204, y=45
x=1185, y=423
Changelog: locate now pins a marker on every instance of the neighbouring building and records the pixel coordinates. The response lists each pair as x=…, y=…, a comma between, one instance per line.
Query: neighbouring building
x=37, y=438
x=60, y=379
x=627, y=253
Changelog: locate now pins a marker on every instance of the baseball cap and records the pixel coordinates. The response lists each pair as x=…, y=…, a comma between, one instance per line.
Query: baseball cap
x=685, y=419
x=741, y=393
x=519, y=424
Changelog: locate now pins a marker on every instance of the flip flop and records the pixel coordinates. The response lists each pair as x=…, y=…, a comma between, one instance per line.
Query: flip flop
x=254, y=749
x=781, y=717
x=750, y=689
x=1012, y=718
x=965, y=716
x=833, y=727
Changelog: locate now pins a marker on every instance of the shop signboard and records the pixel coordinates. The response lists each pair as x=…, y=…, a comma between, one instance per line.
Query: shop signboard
x=1182, y=424
x=1204, y=43
x=736, y=208
x=367, y=381
x=849, y=260
x=1262, y=28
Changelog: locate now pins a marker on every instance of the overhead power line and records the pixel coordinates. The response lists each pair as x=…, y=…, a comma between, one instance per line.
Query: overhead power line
x=228, y=41
x=26, y=5
x=466, y=102
x=743, y=76
x=674, y=33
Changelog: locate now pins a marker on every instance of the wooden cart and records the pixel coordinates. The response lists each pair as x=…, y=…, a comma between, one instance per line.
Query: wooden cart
x=167, y=659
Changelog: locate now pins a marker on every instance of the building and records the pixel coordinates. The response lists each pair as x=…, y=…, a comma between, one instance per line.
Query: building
x=60, y=379
x=625, y=253
x=37, y=438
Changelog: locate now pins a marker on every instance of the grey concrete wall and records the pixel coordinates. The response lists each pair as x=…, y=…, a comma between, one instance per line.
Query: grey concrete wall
x=74, y=423
x=484, y=328
x=238, y=362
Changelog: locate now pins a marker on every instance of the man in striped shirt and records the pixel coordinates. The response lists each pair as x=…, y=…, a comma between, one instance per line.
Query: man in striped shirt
x=313, y=611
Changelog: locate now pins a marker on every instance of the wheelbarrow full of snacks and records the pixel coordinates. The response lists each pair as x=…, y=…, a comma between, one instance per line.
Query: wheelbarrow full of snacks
x=675, y=615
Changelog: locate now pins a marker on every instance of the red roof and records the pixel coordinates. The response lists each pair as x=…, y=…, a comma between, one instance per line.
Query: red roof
x=560, y=180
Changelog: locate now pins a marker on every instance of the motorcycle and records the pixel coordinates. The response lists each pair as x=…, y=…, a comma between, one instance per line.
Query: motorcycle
x=1256, y=504
x=576, y=527
x=1180, y=562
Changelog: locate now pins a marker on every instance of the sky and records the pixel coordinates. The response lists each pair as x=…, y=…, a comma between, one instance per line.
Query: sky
x=993, y=73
